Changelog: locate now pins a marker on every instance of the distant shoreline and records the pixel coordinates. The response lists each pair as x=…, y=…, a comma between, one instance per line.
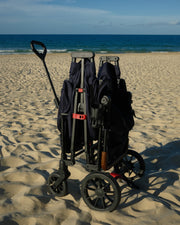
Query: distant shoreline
x=97, y=53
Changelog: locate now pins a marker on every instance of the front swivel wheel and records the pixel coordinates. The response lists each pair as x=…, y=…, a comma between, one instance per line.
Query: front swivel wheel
x=56, y=186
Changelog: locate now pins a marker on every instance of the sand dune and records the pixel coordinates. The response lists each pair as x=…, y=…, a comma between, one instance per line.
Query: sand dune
x=30, y=147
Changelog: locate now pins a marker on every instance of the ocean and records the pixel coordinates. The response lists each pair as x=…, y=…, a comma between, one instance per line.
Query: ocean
x=20, y=44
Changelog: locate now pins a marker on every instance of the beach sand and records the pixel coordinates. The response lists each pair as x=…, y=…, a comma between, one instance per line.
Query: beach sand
x=30, y=147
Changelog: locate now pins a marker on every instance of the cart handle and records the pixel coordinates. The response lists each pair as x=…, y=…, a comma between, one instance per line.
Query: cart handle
x=42, y=57
x=39, y=54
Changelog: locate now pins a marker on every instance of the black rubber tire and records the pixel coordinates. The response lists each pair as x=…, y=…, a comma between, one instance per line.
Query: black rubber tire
x=132, y=165
x=100, y=191
x=59, y=190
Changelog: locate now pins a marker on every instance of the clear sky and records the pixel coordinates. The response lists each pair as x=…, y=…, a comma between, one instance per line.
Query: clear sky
x=89, y=16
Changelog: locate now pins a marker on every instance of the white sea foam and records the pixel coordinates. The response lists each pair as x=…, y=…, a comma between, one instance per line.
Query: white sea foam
x=57, y=50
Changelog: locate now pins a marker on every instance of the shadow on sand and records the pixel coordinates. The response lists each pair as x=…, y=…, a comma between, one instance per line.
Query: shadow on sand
x=161, y=166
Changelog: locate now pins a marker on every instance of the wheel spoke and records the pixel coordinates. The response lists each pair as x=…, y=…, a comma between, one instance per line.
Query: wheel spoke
x=91, y=196
x=131, y=158
x=99, y=183
x=108, y=197
x=110, y=192
x=108, y=189
x=103, y=203
x=91, y=188
x=96, y=201
x=130, y=172
x=106, y=186
x=93, y=183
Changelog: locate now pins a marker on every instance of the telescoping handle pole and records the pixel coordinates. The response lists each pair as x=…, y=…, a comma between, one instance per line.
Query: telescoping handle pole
x=42, y=56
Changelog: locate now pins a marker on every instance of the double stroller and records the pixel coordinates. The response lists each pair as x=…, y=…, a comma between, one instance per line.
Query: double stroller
x=94, y=119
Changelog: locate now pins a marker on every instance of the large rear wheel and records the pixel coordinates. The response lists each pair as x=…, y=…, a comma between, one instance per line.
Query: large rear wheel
x=100, y=191
x=132, y=165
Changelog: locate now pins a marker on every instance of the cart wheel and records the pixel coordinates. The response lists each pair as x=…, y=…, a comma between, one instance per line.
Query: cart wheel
x=132, y=165
x=56, y=188
x=100, y=191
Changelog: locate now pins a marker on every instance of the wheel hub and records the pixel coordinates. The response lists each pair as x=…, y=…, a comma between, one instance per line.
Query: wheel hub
x=100, y=193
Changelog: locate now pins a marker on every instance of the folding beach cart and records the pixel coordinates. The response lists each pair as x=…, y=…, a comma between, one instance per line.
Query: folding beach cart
x=94, y=120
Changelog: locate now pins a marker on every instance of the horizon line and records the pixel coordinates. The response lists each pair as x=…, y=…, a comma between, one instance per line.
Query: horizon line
x=92, y=34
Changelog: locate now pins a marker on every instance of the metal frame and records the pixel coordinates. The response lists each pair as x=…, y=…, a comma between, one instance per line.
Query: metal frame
x=109, y=59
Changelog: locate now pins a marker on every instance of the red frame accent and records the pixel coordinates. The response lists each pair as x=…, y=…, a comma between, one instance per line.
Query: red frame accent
x=116, y=175
x=80, y=90
x=79, y=116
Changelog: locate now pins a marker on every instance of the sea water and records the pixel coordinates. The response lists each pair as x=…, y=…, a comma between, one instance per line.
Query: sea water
x=20, y=44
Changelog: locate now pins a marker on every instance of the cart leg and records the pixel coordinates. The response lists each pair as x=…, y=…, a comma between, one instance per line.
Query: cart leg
x=63, y=170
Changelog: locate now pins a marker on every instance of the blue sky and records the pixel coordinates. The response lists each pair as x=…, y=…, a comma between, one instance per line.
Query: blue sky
x=89, y=16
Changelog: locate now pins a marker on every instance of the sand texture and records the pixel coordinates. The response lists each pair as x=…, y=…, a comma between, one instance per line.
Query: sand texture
x=30, y=147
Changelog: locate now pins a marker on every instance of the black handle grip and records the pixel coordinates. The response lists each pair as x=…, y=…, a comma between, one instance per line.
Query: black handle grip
x=39, y=54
